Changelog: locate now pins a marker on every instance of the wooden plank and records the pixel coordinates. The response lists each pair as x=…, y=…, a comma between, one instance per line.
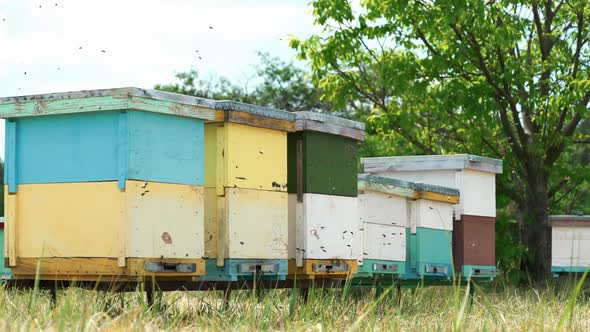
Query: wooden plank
x=165, y=220
x=69, y=220
x=210, y=154
x=222, y=230
x=124, y=228
x=432, y=214
x=330, y=164
x=211, y=224
x=300, y=170
x=431, y=162
x=72, y=266
x=432, y=196
x=383, y=209
x=332, y=226
x=108, y=100
x=384, y=242
x=108, y=146
x=11, y=224
x=570, y=246
x=259, y=121
x=11, y=156
x=255, y=158
x=329, y=119
x=221, y=156
x=307, y=125
x=256, y=224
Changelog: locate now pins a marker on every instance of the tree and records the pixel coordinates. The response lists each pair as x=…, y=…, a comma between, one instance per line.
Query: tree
x=507, y=79
x=282, y=85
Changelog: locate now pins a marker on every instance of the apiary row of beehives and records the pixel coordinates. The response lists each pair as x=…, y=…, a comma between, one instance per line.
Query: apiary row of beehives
x=123, y=184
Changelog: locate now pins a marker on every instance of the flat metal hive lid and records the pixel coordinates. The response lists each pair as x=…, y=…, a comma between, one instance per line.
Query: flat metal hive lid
x=431, y=162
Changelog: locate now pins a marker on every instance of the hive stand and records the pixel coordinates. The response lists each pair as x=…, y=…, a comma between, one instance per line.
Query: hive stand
x=325, y=235
x=475, y=215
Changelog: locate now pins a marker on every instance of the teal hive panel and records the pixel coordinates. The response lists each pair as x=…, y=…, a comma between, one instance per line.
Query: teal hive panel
x=4, y=271
x=233, y=270
x=429, y=254
x=104, y=146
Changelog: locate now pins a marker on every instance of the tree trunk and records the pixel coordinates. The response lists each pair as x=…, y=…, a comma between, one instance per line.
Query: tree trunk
x=535, y=229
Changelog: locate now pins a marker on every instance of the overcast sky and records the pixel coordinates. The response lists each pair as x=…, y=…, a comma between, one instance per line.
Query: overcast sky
x=65, y=45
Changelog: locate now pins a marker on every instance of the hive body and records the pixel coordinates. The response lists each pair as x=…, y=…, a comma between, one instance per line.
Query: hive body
x=246, y=200
x=105, y=184
x=326, y=233
x=570, y=244
x=474, y=224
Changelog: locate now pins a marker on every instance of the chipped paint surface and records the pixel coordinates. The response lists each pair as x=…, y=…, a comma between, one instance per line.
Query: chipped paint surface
x=211, y=225
x=165, y=220
x=254, y=224
x=67, y=220
x=384, y=242
x=105, y=146
x=253, y=158
x=570, y=246
x=384, y=209
x=477, y=189
x=96, y=219
x=431, y=214
x=241, y=156
x=328, y=228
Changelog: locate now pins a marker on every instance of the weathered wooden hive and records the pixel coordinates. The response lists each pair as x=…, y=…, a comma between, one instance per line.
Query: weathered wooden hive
x=105, y=184
x=570, y=244
x=246, y=203
x=407, y=227
x=4, y=270
x=475, y=215
x=325, y=235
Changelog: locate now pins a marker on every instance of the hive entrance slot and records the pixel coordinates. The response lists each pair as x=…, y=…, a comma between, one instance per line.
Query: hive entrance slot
x=385, y=267
x=330, y=268
x=170, y=267
x=259, y=268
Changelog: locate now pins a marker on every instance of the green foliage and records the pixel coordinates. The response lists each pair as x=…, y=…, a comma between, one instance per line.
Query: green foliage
x=282, y=85
x=506, y=79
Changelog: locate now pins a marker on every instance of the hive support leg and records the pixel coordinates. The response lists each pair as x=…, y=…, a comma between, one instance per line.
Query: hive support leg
x=53, y=297
x=226, y=296
x=304, y=293
x=398, y=286
x=471, y=291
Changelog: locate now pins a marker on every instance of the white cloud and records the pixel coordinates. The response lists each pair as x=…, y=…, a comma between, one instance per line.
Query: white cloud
x=146, y=42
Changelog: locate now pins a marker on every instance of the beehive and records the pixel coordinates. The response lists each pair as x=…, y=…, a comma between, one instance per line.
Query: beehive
x=407, y=227
x=4, y=270
x=570, y=244
x=385, y=216
x=105, y=184
x=246, y=192
x=474, y=224
x=325, y=232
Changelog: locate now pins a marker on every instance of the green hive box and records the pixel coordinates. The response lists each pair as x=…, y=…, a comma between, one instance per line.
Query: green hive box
x=329, y=160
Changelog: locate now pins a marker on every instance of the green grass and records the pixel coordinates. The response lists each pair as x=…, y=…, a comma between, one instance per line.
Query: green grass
x=565, y=307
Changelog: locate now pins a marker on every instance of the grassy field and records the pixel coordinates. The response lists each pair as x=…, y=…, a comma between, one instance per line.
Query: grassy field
x=426, y=308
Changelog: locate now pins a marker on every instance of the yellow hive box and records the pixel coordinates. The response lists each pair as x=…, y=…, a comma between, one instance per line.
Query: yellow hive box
x=246, y=224
x=94, y=230
x=242, y=156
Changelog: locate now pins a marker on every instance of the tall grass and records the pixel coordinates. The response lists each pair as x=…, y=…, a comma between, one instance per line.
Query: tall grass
x=564, y=307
